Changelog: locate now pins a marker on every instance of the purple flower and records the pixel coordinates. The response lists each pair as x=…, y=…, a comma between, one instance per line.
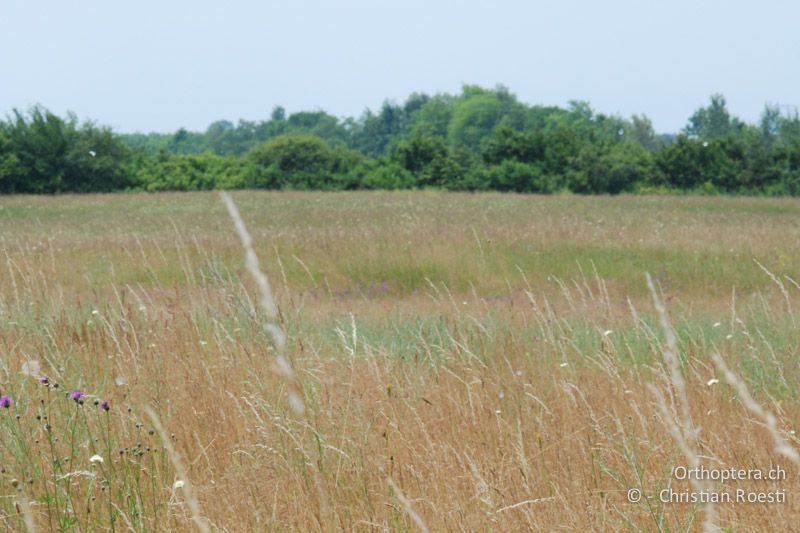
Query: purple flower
x=77, y=396
x=6, y=402
x=105, y=406
x=44, y=380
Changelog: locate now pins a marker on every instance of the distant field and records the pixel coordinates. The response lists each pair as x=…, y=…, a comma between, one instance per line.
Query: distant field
x=467, y=361
x=350, y=242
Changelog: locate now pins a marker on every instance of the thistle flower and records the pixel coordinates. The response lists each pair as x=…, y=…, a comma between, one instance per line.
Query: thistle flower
x=96, y=459
x=76, y=396
x=44, y=380
x=104, y=405
x=6, y=402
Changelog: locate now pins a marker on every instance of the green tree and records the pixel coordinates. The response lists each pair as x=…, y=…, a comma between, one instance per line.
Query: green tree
x=42, y=153
x=770, y=122
x=516, y=176
x=641, y=131
x=618, y=167
x=432, y=164
x=278, y=114
x=714, y=121
x=432, y=119
x=300, y=162
x=193, y=172
x=378, y=132
x=478, y=112
x=96, y=161
x=693, y=164
x=508, y=144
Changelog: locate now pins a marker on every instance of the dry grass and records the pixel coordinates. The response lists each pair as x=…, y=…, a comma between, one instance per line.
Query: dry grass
x=466, y=362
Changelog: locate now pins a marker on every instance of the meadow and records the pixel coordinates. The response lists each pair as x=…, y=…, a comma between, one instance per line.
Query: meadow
x=475, y=362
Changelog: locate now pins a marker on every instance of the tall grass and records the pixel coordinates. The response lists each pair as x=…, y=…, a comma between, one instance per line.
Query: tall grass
x=471, y=375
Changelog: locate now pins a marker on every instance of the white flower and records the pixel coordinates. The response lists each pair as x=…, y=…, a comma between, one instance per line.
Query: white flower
x=712, y=381
x=729, y=336
x=95, y=312
x=717, y=324
x=178, y=484
x=607, y=332
x=563, y=365
x=96, y=459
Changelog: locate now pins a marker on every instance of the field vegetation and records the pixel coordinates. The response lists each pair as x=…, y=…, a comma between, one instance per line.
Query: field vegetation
x=478, y=140
x=452, y=361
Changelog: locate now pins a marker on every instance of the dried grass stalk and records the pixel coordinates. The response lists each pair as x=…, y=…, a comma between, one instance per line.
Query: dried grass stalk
x=177, y=463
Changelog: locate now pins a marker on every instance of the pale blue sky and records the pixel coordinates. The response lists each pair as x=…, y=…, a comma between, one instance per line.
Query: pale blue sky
x=159, y=65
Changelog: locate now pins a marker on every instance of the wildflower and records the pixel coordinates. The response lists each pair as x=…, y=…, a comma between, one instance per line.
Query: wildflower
x=178, y=484
x=6, y=402
x=607, y=332
x=76, y=396
x=104, y=405
x=96, y=459
x=44, y=380
x=712, y=381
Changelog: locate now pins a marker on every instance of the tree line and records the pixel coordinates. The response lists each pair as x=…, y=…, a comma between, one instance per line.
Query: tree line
x=480, y=139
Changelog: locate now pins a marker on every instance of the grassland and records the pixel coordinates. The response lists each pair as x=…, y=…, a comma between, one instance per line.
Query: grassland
x=466, y=362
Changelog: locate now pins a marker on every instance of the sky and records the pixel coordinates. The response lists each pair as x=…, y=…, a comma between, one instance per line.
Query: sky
x=161, y=65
